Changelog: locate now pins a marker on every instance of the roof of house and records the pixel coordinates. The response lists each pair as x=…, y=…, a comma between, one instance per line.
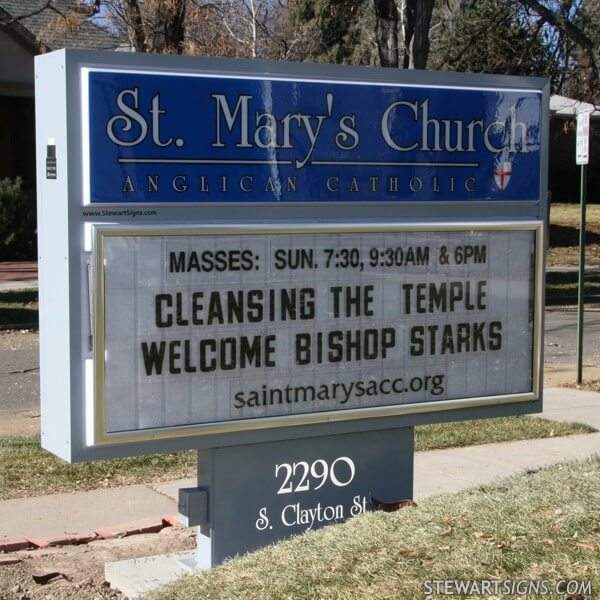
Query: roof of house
x=55, y=24
x=564, y=107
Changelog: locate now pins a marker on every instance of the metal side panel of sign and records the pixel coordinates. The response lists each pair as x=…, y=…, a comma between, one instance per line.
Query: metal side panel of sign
x=198, y=138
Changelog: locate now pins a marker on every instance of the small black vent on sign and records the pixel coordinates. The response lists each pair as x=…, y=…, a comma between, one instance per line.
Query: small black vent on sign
x=51, y=162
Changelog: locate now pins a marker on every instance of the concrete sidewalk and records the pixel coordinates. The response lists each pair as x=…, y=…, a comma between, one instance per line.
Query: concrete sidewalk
x=18, y=275
x=83, y=516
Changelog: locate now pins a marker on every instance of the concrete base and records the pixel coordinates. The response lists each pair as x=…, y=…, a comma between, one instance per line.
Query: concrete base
x=142, y=575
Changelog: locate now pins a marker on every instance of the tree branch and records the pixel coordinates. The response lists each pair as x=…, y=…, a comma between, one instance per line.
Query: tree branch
x=578, y=36
x=135, y=25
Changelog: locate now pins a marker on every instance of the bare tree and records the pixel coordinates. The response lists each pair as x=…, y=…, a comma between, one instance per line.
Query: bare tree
x=416, y=20
x=386, y=32
x=150, y=25
x=587, y=64
x=250, y=25
x=208, y=27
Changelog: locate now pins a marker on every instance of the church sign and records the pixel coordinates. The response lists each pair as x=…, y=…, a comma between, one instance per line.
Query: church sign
x=285, y=267
x=198, y=138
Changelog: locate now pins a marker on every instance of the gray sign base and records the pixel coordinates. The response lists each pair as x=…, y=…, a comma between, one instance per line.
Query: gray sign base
x=253, y=495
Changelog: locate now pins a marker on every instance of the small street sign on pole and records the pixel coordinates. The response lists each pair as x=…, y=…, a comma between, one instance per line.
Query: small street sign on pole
x=581, y=158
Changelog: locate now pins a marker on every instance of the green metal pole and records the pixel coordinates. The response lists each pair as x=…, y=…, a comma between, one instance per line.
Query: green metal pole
x=580, y=289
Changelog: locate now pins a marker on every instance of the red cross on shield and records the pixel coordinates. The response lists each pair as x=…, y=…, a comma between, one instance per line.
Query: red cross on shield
x=502, y=175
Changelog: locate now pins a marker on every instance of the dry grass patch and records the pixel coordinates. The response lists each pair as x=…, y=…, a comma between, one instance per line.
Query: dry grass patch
x=564, y=235
x=485, y=431
x=544, y=525
x=588, y=386
x=27, y=470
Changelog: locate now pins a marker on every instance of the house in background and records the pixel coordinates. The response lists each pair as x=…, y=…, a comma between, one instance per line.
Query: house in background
x=27, y=28
x=564, y=174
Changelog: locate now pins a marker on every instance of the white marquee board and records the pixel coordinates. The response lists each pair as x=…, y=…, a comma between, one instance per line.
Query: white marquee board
x=209, y=331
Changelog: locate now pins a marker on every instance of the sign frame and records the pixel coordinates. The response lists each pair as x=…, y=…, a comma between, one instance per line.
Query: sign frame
x=255, y=425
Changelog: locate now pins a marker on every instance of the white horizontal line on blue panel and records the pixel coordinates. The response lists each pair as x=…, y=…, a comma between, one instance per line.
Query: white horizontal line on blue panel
x=201, y=161
x=315, y=163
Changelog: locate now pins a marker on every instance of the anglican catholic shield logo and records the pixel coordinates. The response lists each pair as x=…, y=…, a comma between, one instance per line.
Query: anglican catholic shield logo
x=502, y=174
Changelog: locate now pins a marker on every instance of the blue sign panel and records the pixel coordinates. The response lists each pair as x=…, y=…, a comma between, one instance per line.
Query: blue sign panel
x=189, y=139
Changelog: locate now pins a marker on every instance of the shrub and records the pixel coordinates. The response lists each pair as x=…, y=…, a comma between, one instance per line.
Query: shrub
x=17, y=221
